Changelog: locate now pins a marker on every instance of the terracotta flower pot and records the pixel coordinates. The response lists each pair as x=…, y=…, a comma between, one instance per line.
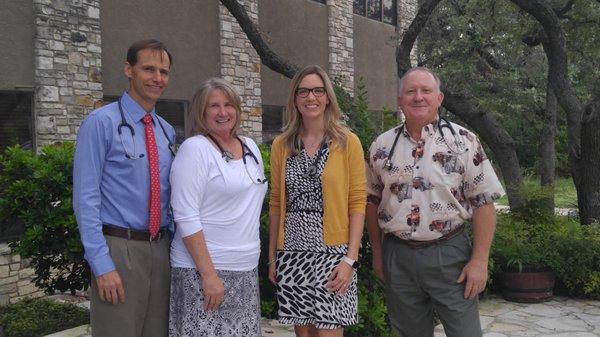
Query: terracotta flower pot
x=530, y=285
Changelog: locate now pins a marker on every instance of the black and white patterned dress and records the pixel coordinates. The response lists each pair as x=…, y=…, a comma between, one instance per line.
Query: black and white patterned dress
x=305, y=263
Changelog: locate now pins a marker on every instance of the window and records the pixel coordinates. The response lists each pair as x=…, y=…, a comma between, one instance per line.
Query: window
x=16, y=125
x=272, y=121
x=16, y=119
x=172, y=111
x=380, y=10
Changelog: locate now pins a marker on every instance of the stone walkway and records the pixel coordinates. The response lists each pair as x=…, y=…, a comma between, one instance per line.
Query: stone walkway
x=561, y=317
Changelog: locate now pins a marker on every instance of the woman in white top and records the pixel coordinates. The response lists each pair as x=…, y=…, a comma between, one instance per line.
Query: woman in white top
x=217, y=190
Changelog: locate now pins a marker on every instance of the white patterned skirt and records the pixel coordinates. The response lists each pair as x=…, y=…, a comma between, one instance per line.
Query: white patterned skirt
x=238, y=315
x=301, y=293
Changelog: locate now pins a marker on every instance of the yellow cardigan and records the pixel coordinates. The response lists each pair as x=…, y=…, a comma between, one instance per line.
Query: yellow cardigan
x=343, y=182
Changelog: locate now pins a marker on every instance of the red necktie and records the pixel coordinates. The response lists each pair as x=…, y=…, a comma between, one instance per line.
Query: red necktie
x=154, y=198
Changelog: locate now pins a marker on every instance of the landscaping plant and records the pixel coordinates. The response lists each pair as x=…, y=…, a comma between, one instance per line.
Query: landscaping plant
x=40, y=317
x=36, y=191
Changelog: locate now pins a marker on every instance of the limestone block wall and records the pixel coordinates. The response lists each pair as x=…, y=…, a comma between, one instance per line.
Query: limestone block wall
x=341, y=42
x=68, y=78
x=15, y=278
x=240, y=65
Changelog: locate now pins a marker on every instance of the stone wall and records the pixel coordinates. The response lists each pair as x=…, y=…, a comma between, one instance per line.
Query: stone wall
x=240, y=65
x=68, y=80
x=341, y=42
x=15, y=278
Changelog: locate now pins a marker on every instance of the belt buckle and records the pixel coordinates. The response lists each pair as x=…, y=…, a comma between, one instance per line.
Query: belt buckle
x=156, y=238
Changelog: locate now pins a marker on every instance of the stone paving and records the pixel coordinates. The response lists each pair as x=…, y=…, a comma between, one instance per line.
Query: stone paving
x=560, y=317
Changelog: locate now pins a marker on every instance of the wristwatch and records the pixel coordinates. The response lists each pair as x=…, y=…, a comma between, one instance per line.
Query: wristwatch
x=353, y=263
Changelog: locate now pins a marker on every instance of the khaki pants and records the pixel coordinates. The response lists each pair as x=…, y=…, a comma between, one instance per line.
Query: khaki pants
x=144, y=269
x=419, y=281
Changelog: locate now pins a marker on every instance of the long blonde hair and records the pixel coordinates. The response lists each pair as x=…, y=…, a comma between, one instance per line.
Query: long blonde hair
x=197, y=113
x=334, y=127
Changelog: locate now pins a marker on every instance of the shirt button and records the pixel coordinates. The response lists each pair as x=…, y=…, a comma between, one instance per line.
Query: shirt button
x=417, y=166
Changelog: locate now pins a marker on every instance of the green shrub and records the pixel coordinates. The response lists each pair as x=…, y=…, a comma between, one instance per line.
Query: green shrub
x=36, y=190
x=40, y=317
x=372, y=311
x=560, y=243
x=524, y=241
x=577, y=266
x=268, y=299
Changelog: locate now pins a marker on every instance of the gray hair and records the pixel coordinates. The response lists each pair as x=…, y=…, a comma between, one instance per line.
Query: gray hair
x=438, y=82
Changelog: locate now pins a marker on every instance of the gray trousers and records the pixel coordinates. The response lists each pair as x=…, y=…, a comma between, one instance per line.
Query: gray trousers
x=419, y=281
x=146, y=275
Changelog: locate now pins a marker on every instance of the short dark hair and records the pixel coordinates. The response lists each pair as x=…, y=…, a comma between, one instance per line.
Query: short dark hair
x=132, y=52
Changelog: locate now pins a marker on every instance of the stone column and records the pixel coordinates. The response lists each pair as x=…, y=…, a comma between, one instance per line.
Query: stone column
x=68, y=80
x=240, y=66
x=341, y=42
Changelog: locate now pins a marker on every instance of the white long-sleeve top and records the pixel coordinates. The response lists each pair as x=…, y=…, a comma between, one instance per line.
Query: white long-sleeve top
x=220, y=198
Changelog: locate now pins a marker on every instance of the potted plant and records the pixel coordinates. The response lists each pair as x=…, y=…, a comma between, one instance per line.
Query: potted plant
x=523, y=250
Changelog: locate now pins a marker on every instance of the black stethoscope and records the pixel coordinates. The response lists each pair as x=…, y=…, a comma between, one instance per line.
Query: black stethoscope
x=228, y=156
x=134, y=154
x=459, y=145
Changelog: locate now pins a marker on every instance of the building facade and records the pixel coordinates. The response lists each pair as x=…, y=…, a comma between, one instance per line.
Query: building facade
x=61, y=59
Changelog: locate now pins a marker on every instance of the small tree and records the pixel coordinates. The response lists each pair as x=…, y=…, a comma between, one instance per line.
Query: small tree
x=36, y=191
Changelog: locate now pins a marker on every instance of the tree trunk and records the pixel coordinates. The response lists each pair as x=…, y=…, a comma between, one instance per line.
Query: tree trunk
x=267, y=56
x=499, y=141
x=583, y=126
x=586, y=175
x=547, y=149
x=482, y=123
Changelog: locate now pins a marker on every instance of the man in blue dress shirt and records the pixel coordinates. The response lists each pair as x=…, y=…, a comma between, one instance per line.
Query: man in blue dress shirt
x=111, y=190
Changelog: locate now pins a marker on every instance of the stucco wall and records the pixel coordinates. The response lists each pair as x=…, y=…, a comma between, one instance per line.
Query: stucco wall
x=16, y=44
x=190, y=29
x=297, y=31
x=374, y=60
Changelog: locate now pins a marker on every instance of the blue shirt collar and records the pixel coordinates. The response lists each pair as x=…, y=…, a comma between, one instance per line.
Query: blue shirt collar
x=135, y=110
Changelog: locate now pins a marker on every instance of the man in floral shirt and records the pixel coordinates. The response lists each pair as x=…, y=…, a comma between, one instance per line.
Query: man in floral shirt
x=426, y=180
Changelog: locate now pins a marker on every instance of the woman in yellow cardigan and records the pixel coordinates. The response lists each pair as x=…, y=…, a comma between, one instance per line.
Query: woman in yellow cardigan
x=317, y=208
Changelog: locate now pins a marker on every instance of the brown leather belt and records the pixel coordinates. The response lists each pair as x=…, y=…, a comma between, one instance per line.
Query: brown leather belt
x=131, y=234
x=423, y=244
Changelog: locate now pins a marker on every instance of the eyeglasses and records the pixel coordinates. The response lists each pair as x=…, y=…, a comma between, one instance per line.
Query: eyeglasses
x=317, y=91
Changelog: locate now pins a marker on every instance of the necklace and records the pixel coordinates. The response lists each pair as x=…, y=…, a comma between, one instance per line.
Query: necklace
x=314, y=143
x=312, y=169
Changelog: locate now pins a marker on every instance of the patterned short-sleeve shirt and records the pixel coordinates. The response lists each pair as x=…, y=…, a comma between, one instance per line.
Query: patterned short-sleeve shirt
x=432, y=185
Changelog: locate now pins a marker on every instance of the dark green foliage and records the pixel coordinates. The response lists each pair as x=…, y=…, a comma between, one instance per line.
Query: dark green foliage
x=372, y=311
x=36, y=191
x=572, y=251
x=577, y=266
x=366, y=124
x=40, y=317
x=359, y=118
x=268, y=300
x=477, y=49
